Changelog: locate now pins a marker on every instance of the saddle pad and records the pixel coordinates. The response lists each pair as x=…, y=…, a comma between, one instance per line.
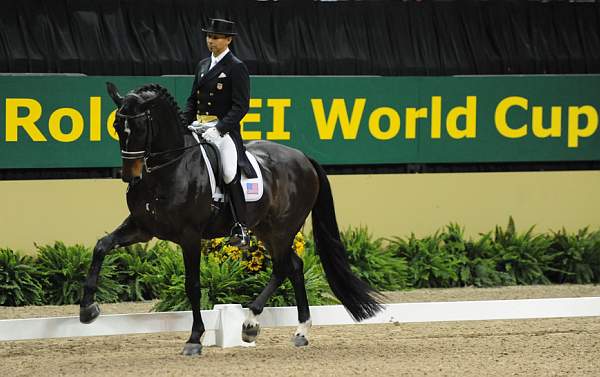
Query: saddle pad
x=253, y=187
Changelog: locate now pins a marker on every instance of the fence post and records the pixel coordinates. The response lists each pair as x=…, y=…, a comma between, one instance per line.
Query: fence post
x=229, y=332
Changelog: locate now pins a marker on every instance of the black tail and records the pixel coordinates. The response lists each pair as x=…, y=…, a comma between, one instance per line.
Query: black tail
x=356, y=295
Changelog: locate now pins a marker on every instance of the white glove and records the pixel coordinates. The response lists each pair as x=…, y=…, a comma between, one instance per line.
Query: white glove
x=211, y=135
x=194, y=127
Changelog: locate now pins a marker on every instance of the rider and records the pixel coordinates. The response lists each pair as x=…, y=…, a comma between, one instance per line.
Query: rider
x=220, y=98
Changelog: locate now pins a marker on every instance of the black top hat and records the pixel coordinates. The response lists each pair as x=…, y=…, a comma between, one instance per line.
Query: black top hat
x=220, y=26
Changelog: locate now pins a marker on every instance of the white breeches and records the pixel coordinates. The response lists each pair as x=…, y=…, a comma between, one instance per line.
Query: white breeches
x=228, y=155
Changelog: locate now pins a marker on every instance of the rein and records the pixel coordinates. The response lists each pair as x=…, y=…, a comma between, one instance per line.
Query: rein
x=146, y=155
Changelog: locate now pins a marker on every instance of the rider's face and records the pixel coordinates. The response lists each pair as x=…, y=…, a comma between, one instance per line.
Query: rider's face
x=217, y=43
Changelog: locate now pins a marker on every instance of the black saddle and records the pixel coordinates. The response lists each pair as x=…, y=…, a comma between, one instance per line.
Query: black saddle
x=212, y=153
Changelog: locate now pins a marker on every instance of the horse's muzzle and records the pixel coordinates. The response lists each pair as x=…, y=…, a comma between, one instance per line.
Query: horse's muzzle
x=132, y=169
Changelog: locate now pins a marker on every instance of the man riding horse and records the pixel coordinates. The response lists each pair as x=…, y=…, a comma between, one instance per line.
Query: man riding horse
x=219, y=100
x=169, y=194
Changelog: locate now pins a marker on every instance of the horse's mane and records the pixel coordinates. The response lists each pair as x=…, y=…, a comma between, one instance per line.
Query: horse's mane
x=164, y=94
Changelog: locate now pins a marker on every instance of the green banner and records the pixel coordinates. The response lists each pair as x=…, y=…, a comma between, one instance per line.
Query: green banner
x=66, y=121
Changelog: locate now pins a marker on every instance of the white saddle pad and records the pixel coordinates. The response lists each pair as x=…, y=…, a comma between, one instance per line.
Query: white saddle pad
x=253, y=187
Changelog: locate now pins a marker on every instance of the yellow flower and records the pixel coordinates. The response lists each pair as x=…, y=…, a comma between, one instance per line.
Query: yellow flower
x=254, y=265
x=216, y=242
x=234, y=253
x=299, y=248
x=299, y=243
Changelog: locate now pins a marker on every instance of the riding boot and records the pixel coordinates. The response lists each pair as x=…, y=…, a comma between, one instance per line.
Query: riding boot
x=239, y=233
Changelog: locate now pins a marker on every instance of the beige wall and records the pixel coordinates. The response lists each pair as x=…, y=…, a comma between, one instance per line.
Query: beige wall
x=81, y=211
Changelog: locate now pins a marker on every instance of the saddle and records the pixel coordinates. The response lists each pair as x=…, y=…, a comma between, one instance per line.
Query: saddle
x=253, y=187
x=211, y=153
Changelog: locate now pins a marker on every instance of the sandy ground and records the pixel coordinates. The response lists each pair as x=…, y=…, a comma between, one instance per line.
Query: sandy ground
x=548, y=347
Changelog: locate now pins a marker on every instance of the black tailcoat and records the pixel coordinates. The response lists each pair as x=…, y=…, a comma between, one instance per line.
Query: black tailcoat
x=224, y=92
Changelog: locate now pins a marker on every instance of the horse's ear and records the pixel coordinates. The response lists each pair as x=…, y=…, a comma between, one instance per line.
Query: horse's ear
x=113, y=92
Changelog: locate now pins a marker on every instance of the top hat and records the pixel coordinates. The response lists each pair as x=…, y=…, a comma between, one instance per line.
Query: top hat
x=220, y=26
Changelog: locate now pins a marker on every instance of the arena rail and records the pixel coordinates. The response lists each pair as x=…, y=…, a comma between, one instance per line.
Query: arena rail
x=224, y=322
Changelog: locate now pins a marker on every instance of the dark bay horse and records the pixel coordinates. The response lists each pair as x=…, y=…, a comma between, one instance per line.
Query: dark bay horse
x=169, y=197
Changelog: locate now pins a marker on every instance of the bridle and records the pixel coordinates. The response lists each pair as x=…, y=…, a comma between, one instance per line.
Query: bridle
x=146, y=153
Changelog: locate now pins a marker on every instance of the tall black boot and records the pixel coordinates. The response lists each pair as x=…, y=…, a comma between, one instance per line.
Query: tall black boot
x=239, y=233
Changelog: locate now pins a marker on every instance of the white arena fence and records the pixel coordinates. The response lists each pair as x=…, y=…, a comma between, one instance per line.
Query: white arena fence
x=223, y=323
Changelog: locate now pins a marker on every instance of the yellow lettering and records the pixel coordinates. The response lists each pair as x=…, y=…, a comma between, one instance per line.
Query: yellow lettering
x=436, y=117
x=574, y=131
x=412, y=115
x=251, y=118
x=76, y=124
x=109, y=125
x=279, y=105
x=95, y=108
x=375, y=126
x=470, y=113
x=13, y=121
x=337, y=112
x=537, y=122
x=500, y=117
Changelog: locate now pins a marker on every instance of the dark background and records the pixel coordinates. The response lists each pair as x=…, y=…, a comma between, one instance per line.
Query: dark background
x=300, y=37
x=305, y=37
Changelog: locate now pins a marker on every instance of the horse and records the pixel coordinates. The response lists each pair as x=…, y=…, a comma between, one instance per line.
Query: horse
x=169, y=197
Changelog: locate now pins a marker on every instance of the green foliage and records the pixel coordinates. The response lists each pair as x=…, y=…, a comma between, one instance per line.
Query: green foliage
x=166, y=271
x=430, y=265
x=482, y=264
x=133, y=265
x=317, y=288
x=475, y=259
x=227, y=280
x=577, y=257
x=372, y=262
x=526, y=257
x=228, y=275
x=223, y=282
x=19, y=280
x=65, y=269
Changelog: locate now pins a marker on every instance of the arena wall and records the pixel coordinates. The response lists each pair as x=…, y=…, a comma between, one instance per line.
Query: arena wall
x=81, y=211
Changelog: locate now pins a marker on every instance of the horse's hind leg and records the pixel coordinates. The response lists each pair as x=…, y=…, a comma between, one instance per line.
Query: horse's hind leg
x=297, y=278
x=251, y=327
x=281, y=269
x=285, y=264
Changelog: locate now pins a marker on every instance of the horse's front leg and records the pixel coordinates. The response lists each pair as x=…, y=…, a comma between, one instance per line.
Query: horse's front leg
x=191, y=259
x=126, y=234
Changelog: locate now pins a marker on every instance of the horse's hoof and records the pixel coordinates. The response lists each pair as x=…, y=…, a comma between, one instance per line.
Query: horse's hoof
x=192, y=349
x=300, y=341
x=250, y=332
x=89, y=313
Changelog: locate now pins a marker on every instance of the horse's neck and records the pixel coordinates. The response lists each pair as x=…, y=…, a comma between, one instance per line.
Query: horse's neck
x=170, y=135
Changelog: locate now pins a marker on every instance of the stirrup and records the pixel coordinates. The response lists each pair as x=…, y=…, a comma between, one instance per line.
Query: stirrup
x=239, y=239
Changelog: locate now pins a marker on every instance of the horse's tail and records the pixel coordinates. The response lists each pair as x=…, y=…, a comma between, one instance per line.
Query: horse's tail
x=357, y=296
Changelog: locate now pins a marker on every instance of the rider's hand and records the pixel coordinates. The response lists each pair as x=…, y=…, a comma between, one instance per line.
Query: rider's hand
x=194, y=127
x=211, y=134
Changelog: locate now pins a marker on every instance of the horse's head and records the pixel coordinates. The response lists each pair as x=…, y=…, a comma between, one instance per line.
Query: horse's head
x=138, y=121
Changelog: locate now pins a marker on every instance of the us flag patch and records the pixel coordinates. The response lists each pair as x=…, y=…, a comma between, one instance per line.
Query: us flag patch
x=251, y=188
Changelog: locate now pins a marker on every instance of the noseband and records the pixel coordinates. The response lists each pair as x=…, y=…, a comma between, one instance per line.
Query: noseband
x=134, y=155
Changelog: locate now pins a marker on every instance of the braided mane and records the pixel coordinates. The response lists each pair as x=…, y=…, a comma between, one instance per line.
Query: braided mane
x=164, y=94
